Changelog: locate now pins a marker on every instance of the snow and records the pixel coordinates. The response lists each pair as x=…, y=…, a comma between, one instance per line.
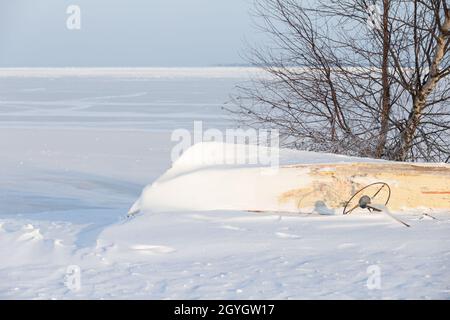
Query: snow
x=78, y=151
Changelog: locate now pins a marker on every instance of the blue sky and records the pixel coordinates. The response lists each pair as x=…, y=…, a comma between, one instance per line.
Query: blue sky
x=122, y=33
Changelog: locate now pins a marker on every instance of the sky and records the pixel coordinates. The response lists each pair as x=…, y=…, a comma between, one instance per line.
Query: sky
x=124, y=33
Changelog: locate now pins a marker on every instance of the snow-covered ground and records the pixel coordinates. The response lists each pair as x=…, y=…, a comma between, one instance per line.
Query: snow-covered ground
x=77, y=148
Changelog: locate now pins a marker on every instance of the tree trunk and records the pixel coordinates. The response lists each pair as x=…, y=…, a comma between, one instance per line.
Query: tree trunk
x=419, y=101
x=386, y=97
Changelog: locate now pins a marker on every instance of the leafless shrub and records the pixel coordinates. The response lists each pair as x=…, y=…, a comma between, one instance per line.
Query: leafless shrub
x=343, y=79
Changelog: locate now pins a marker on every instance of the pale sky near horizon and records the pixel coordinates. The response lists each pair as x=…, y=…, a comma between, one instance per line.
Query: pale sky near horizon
x=122, y=33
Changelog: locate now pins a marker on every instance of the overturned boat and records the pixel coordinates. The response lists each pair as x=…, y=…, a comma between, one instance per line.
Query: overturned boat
x=301, y=182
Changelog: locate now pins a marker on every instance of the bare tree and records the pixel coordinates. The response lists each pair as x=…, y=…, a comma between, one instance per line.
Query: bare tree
x=353, y=77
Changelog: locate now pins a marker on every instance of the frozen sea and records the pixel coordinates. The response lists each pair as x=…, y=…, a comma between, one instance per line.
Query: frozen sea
x=67, y=134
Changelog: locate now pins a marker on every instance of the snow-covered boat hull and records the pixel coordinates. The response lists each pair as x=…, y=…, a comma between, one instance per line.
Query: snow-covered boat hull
x=304, y=182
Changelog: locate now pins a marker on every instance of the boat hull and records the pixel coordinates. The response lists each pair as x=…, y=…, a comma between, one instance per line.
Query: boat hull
x=412, y=185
